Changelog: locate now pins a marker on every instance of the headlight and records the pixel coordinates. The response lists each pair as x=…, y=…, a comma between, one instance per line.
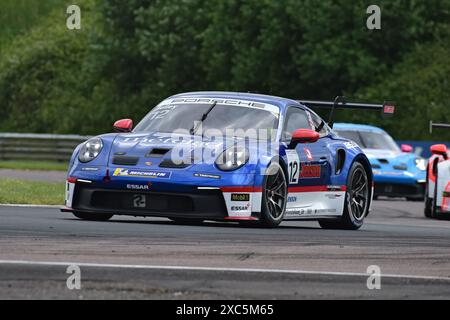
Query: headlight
x=90, y=150
x=421, y=164
x=232, y=159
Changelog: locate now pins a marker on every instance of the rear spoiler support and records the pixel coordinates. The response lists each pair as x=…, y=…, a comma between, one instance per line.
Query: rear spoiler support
x=387, y=108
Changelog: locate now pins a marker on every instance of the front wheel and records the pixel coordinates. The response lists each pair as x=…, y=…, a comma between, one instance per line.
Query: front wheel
x=357, y=201
x=92, y=216
x=274, y=197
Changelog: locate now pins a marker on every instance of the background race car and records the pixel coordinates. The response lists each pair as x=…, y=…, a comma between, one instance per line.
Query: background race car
x=294, y=167
x=397, y=171
x=437, y=200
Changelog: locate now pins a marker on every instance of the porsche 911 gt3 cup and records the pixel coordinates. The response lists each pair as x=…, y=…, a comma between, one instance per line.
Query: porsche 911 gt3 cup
x=397, y=171
x=437, y=200
x=225, y=157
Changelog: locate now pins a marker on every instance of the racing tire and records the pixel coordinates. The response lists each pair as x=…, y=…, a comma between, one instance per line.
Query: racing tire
x=428, y=202
x=274, y=197
x=93, y=216
x=434, y=209
x=428, y=207
x=357, y=201
x=187, y=221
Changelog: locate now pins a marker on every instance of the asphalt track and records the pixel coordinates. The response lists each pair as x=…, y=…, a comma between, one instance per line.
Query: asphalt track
x=137, y=258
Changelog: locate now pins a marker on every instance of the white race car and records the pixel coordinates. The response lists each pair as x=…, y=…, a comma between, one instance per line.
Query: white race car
x=437, y=200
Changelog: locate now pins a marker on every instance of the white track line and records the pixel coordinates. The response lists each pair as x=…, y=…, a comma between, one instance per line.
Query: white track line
x=187, y=268
x=31, y=206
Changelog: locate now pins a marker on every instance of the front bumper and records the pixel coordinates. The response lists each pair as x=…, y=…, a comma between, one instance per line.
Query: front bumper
x=207, y=203
x=391, y=189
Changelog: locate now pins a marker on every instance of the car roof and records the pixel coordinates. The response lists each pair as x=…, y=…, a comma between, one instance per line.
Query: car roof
x=357, y=127
x=262, y=98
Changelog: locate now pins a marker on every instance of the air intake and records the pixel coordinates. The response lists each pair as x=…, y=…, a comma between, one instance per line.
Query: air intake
x=157, y=153
x=125, y=160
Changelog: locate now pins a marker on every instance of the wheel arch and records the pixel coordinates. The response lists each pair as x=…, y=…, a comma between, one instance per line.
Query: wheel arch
x=282, y=164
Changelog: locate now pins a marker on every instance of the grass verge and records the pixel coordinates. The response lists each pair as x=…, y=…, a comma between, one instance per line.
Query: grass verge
x=30, y=192
x=33, y=165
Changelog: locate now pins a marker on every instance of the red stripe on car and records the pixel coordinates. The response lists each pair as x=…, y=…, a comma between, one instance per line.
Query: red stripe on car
x=315, y=189
x=241, y=189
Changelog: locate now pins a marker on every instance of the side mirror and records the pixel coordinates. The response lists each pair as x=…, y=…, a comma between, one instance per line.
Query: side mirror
x=304, y=136
x=406, y=148
x=439, y=150
x=124, y=125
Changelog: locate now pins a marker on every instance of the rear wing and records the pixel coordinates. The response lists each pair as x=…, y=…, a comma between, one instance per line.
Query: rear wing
x=438, y=125
x=387, y=109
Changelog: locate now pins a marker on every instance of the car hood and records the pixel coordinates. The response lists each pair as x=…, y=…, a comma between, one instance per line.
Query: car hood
x=157, y=147
x=389, y=162
x=382, y=154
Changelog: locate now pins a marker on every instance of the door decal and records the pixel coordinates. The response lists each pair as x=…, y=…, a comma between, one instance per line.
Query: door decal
x=308, y=154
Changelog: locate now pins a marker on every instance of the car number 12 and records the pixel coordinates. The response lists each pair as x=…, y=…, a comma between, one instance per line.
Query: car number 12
x=293, y=166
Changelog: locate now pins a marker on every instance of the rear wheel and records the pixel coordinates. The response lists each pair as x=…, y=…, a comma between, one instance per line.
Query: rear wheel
x=428, y=207
x=357, y=201
x=428, y=203
x=274, y=197
x=434, y=209
x=92, y=216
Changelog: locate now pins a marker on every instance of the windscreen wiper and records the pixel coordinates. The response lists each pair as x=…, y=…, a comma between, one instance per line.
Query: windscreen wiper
x=204, y=116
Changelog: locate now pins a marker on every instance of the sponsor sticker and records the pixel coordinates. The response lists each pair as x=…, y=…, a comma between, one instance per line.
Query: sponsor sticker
x=310, y=172
x=351, y=145
x=138, y=187
x=240, y=197
x=119, y=172
x=240, y=208
x=333, y=196
x=308, y=154
x=206, y=176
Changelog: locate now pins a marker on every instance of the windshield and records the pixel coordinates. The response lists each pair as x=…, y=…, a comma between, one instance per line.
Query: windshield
x=370, y=140
x=239, y=119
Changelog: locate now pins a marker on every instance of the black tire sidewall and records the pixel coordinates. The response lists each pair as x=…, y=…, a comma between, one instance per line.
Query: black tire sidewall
x=266, y=219
x=434, y=200
x=349, y=219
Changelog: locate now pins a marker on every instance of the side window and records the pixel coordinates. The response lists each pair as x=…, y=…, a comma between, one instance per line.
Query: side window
x=317, y=122
x=296, y=118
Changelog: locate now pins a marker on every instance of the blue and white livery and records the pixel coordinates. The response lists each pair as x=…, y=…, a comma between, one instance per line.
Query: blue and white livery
x=397, y=171
x=223, y=156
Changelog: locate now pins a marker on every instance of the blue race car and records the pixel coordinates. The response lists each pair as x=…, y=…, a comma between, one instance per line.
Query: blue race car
x=397, y=171
x=221, y=156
